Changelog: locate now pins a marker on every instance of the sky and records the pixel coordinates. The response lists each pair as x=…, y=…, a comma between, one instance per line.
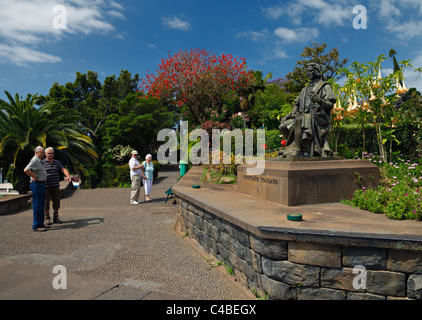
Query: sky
x=48, y=41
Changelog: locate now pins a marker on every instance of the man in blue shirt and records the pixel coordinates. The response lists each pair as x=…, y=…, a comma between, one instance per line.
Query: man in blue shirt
x=52, y=185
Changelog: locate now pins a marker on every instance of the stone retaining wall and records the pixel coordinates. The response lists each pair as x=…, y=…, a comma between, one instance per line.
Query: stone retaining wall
x=291, y=270
x=14, y=203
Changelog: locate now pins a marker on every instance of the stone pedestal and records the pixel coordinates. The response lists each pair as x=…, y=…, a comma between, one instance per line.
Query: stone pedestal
x=299, y=181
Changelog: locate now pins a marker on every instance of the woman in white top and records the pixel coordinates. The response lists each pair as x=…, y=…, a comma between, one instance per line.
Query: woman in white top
x=147, y=176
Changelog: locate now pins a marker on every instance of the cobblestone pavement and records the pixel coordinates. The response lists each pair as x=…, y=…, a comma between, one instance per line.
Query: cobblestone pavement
x=105, y=238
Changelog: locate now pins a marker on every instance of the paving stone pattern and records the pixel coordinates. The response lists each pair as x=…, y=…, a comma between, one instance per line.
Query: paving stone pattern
x=105, y=238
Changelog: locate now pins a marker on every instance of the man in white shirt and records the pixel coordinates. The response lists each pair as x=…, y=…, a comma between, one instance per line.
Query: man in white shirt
x=135, y=177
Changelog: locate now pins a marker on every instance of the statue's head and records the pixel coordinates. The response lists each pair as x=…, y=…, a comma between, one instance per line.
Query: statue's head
x=313, y=70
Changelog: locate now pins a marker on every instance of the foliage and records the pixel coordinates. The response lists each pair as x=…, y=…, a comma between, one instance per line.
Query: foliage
x=270, y=105
x=272, y=140
x=399, y=194
x=119, y=176
x=122, y=177
x=350, y=141
x=214, y=172
x=209, y=125
x=370, y=97
x=157, y=167
x=238, y=120
x=409, y=114
x=329, y=61
x=137, y=123
x=120, y=154
x=113, y=114
x=367, y=97
x=198, y=80
x=94, y=101
x=213, y=114
x=23, y=127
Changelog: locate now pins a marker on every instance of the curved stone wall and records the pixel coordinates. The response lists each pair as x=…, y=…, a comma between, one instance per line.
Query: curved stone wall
x=300, y=264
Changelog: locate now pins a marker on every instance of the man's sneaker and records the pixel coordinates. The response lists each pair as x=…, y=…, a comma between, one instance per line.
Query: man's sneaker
x=134, y=202
x=39, y=229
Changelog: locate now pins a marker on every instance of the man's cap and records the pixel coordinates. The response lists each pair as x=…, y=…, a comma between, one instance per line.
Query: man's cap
x=134, y=152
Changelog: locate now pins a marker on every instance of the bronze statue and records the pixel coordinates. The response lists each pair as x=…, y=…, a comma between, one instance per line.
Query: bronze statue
x=305, y=128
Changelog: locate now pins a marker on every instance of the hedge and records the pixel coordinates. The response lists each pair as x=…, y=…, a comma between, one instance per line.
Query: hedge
x=350, y=138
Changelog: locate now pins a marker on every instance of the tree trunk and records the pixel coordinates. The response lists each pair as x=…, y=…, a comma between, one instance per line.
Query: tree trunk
x=363, y=139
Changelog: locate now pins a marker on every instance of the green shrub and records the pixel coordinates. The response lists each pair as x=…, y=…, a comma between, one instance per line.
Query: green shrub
x=350, y=141
x=122, y=178
x=157, y=167
x=399, y=195
x=272, y=140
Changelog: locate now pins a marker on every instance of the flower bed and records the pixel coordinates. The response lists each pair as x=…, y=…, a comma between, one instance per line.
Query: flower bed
x=399, y=195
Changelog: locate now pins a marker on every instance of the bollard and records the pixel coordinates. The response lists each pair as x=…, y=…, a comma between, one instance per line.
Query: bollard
x=183, y=165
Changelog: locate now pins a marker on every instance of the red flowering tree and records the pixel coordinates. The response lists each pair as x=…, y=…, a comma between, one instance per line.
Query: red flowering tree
x=198, y=80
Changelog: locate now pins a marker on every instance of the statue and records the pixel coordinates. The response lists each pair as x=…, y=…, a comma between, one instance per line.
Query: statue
x=305, y=128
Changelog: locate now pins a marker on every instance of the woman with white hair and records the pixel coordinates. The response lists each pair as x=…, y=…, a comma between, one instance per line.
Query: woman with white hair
x=147, y=176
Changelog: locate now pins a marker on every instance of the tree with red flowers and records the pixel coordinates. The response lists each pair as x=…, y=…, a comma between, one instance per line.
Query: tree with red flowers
x=198, y=80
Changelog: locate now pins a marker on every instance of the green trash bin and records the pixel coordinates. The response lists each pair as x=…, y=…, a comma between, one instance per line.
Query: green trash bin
x=183, y=165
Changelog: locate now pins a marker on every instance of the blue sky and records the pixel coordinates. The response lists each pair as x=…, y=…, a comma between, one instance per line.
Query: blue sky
x=107, y=36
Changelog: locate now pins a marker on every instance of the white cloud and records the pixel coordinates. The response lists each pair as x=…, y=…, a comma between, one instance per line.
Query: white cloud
x=273, y=12
x=21, y=55
x=414, y=79
x=116, y=14
x=176, y=23
x=406, y=31
x=329, y=12
x=326, y=12
x=400, y=18
x=388, y=9
x=395, y=7
x=280, y=54
x=334, y=15
x=28, y=24
x=296, y=35
x=254, y=36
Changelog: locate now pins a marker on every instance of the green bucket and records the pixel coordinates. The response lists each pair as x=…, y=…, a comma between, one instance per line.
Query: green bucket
x=183, y=165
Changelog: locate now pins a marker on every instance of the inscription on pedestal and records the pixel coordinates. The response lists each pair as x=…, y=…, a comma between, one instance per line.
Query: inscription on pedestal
x=261, y=179
x=296, y=182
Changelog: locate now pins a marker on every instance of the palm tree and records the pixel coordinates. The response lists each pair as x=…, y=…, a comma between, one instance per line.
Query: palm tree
x=23, y=126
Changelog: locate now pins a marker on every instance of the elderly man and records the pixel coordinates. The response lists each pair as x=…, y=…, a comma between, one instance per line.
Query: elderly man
x=52, y=185
x=306, y=127
x=36, y=171
x=135, y=177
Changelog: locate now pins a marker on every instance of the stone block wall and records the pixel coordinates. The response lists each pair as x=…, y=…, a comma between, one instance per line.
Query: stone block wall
x=14, y=203
x=290, y=270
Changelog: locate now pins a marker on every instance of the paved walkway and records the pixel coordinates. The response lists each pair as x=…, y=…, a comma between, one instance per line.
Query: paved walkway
x=111, y=250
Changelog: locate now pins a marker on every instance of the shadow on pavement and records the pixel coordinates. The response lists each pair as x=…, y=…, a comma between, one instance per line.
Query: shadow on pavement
x=75, y=224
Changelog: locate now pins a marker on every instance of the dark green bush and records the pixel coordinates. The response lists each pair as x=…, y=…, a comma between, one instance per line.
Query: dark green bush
x=122, y=178
x=350, y=141
x=157, y=167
